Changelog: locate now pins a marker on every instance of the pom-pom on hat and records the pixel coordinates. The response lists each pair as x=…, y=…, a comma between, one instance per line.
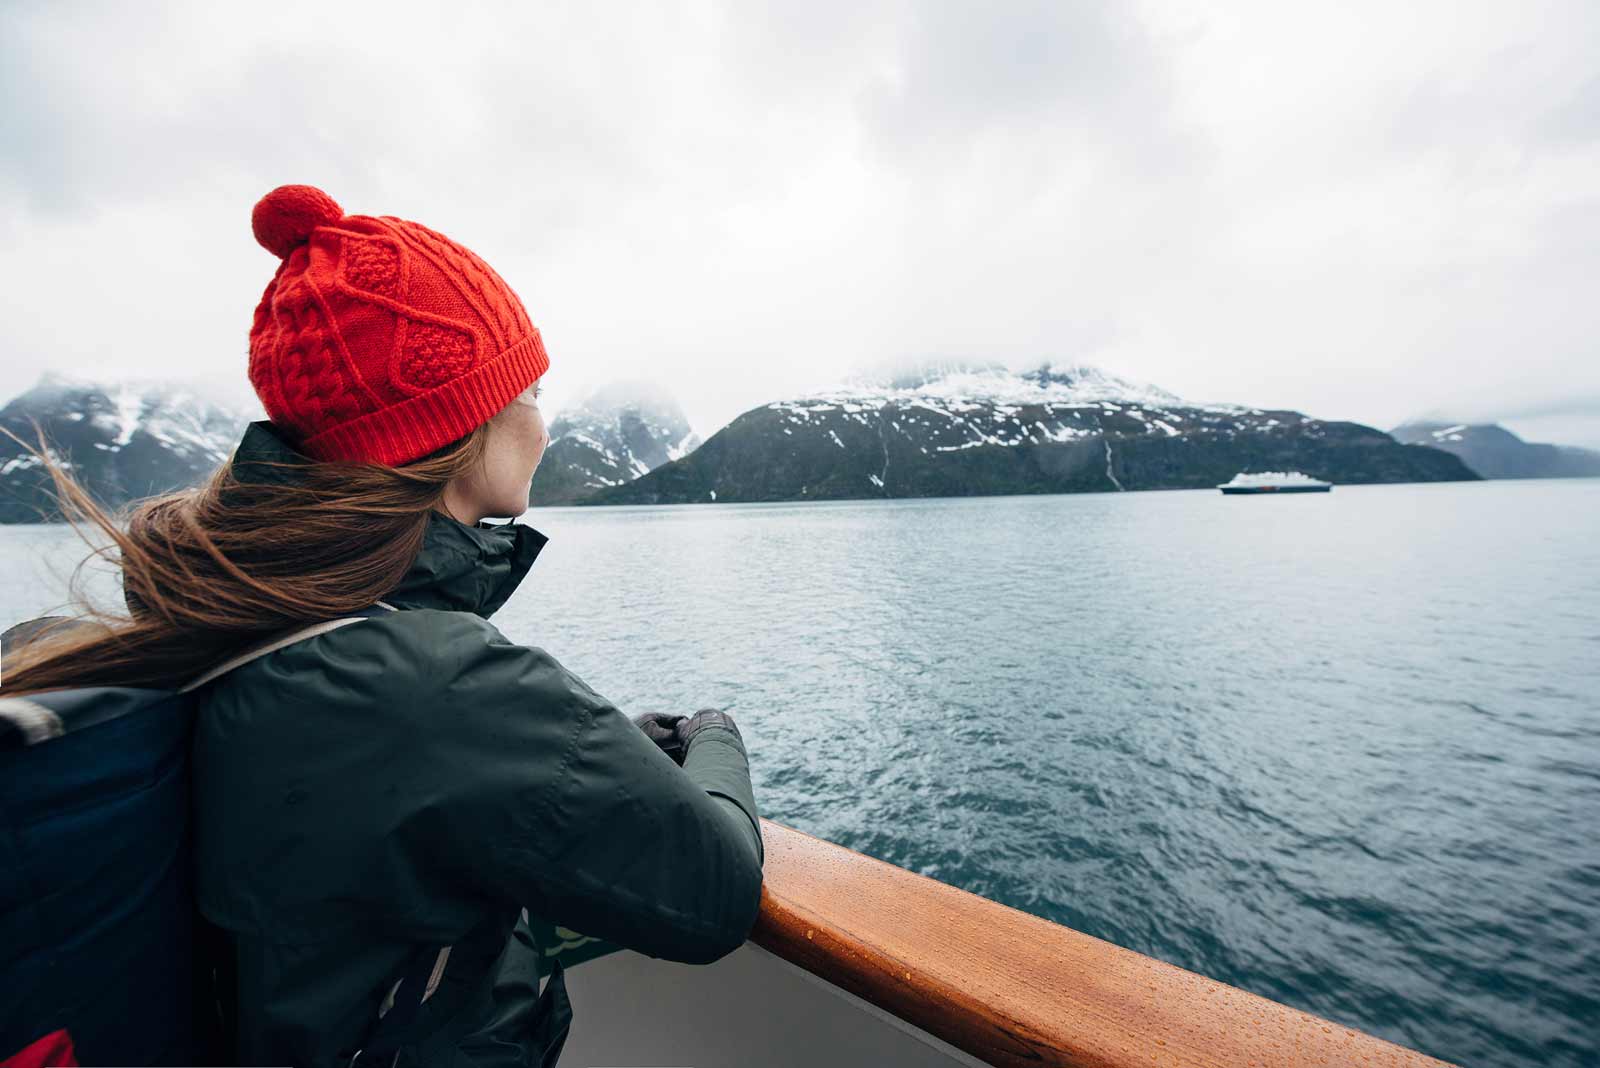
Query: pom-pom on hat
x=379, y=340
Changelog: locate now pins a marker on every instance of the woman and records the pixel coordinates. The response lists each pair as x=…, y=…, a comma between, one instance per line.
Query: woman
x=372, y=794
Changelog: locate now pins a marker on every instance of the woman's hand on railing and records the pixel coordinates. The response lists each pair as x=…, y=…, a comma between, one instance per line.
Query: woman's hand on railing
x=672, y=734
x=706, y=717
x=662, y=729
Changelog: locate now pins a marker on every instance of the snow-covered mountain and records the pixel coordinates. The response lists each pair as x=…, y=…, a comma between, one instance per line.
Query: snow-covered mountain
x=122, y=440
x=970, y=383
x=970, y=430
x=1495, y=452
x=615, y=435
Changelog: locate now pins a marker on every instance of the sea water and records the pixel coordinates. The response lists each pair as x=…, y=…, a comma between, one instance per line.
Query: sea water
x=1341, y=750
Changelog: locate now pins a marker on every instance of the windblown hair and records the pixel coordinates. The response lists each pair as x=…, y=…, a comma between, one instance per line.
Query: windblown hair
x=208, y=571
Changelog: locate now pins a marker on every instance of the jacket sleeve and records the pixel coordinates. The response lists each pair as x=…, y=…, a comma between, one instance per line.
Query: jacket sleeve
x=538, y=791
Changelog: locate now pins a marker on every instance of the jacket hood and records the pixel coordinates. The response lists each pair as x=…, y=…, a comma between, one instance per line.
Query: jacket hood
x=461, y=568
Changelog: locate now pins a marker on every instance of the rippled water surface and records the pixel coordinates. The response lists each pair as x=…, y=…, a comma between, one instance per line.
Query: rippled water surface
x=1342, y=750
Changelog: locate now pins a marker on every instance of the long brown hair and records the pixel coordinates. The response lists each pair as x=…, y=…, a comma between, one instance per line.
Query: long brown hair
x=208, y=571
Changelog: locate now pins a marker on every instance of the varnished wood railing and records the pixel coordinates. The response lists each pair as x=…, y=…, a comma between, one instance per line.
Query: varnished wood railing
x=1014, y=989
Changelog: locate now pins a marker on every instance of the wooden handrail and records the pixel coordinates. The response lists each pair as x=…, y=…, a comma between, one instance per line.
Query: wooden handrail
x=1013, y=989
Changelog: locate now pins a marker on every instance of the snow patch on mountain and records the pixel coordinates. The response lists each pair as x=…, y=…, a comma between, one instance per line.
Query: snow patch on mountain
x=614, y=435
x=951, y=407
x=947, y=389
x=968, y=383
x=172, y=415
x=122, y=439
x=633, y=426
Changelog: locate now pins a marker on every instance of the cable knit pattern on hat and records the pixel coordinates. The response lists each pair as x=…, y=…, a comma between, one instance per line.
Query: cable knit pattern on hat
x=379, y=340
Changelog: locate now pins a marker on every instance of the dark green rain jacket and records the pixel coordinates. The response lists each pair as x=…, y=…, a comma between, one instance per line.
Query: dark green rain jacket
x=420, y=780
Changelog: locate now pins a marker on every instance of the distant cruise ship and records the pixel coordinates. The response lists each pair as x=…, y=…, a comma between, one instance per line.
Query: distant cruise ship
x=1274, y=482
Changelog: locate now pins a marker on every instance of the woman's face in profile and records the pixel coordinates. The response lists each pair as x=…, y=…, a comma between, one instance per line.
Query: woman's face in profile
x=517, y=440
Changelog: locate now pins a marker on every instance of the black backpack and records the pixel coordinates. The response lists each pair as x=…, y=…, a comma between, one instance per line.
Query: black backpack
x=98, y=921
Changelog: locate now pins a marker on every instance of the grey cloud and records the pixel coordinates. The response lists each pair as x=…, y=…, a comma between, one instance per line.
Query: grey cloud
x=752, y=199
x=1575, y=120
x=99, y=121
x=1040, y=70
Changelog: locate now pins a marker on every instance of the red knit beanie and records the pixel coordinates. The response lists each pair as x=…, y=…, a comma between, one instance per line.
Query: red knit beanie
x=379, y=340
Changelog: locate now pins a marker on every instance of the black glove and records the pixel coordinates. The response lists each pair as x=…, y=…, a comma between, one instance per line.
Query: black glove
x=706, y=717
x=662, y=729
x=673, y=733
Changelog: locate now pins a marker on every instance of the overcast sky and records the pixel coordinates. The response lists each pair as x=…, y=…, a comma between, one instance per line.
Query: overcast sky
x=1367, y=211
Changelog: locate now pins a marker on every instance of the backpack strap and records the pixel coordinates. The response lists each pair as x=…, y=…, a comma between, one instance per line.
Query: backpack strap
x=24, y=722
x=256, y=652
x=399, y=1010
x=479, y=953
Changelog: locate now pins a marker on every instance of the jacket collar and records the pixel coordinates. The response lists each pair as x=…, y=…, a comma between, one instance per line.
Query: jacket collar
x=461, y=568
x=465, y=568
